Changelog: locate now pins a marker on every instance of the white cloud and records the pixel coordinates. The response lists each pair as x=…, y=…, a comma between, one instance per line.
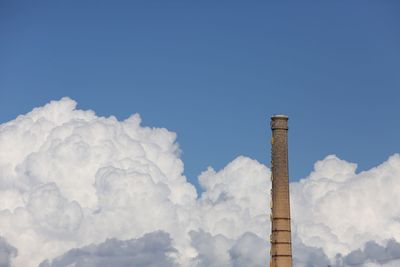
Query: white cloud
x=72, y=183
x=235, y=199
x=340, y=210
x=220, y=251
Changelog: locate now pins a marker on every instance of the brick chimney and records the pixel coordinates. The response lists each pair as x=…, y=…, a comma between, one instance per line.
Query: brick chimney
x=281, y=246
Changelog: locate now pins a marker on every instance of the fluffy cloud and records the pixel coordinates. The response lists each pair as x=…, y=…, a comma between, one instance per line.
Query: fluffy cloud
x=218, y=250
x=373, y=253
x=153, y=249
x=340, y=210
x=71, y=179
x=7, y=252
x=80, y=189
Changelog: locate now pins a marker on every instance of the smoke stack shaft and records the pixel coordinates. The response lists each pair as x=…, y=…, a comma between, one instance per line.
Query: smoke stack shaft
x=281, y=247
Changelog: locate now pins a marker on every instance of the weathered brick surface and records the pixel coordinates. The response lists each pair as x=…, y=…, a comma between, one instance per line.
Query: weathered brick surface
x=281, y=248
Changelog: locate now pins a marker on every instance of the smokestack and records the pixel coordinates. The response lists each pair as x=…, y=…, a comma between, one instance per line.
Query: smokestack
x=281, y=246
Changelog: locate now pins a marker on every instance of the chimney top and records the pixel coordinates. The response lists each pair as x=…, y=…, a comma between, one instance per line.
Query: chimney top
x=279, y=116
x=279, y=122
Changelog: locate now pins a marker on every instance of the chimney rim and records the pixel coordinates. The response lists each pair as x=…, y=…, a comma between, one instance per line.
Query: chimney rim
x=279, y=116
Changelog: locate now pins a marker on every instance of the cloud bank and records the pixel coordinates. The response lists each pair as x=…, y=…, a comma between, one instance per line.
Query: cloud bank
x=152, y=249
x=77, y=189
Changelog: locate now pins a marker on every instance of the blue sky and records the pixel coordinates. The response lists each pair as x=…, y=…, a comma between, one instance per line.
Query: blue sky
x=215, y=72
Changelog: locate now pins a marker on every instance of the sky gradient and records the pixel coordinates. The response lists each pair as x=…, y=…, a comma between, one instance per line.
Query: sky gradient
x=215, y=72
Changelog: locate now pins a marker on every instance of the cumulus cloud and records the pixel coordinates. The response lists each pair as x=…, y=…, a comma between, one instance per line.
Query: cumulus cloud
x=249, y=250
x=218, y=250
x=153, y=249
x=340, y=210
x=70, y=179
x=7, y=252
x=76, y=188
x=373, y=254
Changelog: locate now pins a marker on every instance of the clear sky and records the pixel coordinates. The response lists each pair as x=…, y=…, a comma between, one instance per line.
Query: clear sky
x=214, y=72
